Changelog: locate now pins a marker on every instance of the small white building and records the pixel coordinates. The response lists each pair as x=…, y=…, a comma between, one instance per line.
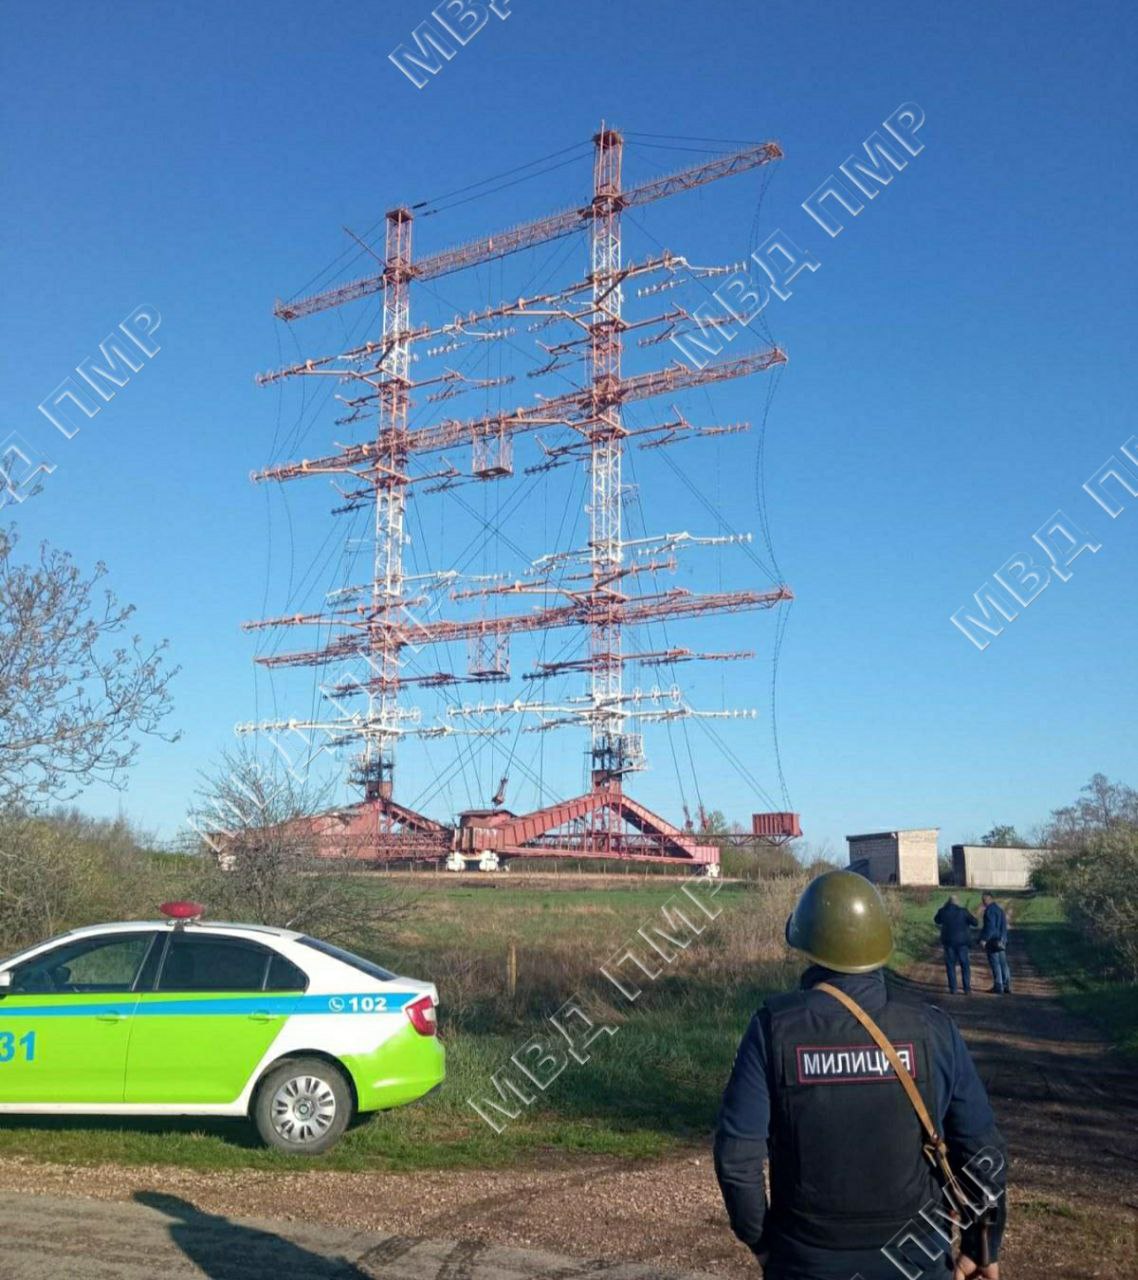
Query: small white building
x=896, y=857
x=981, y=866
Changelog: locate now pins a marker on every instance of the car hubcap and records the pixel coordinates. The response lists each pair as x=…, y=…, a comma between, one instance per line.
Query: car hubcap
x=303, y=1109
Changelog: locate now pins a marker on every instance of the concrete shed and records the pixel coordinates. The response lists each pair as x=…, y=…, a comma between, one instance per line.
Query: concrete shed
x=981, y=866
x=896, y=857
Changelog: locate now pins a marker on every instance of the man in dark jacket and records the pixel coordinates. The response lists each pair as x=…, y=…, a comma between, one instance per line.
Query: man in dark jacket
x=994, y=936
x=848, y=1175
x=955, y=922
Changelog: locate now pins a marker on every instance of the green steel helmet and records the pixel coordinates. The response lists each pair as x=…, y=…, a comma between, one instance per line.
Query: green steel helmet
x=841, y=922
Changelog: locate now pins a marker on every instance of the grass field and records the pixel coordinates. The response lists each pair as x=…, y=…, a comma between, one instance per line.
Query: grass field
x=649, y=1088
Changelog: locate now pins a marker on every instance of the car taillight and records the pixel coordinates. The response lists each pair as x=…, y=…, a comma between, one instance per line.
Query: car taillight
x=422, y=1015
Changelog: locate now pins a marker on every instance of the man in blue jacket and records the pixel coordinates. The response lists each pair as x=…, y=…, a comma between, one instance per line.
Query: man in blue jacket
x=851, y=1190
x=994, y=936
x=955, y=922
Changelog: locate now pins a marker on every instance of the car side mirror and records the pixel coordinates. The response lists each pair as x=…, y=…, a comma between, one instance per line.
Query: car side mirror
x=5, y=982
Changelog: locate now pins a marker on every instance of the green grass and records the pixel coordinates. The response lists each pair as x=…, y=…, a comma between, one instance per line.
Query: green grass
x=1081, y=972
x=651, y=1088
x=484, y=918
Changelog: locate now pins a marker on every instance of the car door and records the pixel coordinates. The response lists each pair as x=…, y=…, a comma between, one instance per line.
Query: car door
x=217, y=1005
x=65, y=1020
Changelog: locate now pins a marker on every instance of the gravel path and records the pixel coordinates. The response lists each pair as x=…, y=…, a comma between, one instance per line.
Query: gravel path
x=53, y=1238
x=667, y=1214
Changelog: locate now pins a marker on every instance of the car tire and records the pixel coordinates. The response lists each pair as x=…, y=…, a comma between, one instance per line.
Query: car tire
x=303, y=1106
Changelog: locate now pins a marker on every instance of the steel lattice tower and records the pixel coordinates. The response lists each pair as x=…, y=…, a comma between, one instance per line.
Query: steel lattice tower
x=377, y=763
x=375, y=623
x=609, y=750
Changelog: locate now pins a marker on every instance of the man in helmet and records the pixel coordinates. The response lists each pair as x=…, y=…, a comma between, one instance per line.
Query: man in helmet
x=811, y=1090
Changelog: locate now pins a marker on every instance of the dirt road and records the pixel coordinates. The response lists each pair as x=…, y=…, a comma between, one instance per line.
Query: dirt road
x=1067, y=1106
x=163, y=1235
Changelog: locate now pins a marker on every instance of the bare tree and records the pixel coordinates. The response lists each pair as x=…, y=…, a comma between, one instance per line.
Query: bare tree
x=1102, y=806
x=1092, y=865
x=77, y=692
x=260, y=832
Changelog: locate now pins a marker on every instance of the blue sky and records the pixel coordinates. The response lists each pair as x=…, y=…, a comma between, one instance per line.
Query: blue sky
x=960, y=362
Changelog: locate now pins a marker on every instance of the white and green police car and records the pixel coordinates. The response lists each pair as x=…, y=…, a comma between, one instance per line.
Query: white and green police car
x=186, y=1018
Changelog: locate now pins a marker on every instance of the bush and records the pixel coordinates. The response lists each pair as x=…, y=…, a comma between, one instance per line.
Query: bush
x=819, y=867
x=64, y=870
x=1099, y=890
x=750, y=936
x=1092, y=867
x=1052, y=873
x=758, y=861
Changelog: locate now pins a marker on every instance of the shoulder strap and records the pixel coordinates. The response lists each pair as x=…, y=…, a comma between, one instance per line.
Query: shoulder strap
x=907, y=1082
x=936, y=1150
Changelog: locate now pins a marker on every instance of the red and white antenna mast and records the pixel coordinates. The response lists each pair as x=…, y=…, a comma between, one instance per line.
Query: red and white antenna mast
x=610, y=750
x=376, y=622
x=382, y=726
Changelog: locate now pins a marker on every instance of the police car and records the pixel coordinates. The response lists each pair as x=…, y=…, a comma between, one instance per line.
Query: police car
x=187, y=1018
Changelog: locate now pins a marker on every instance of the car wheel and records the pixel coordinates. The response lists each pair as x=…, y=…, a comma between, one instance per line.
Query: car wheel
x=303, y=1106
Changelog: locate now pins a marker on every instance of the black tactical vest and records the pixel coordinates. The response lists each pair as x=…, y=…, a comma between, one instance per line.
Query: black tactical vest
x=847, y=1166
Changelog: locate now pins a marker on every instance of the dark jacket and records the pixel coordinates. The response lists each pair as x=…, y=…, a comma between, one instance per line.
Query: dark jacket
x=954, y=923
x=995, y=928
x=748, y=1122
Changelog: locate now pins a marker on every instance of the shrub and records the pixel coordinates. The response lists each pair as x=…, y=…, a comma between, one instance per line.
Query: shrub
x=1051, y=873
x=1091, y=865
x=1099, y=890
x=64, y=870
x=758, y=861
x=750, y=935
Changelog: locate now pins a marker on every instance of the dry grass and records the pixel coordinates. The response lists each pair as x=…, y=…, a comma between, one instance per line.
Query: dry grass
x=751, y=934
x=560, y=942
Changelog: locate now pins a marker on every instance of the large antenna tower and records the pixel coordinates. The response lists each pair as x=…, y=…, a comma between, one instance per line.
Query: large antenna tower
x=374, y=624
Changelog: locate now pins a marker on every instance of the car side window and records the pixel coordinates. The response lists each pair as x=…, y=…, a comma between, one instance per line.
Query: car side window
x=108, y=963
x=148, y=974
x=285, y=976
x=209, y=962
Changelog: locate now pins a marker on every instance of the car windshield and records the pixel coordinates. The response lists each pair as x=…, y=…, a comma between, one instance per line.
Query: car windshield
x=347, y=957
